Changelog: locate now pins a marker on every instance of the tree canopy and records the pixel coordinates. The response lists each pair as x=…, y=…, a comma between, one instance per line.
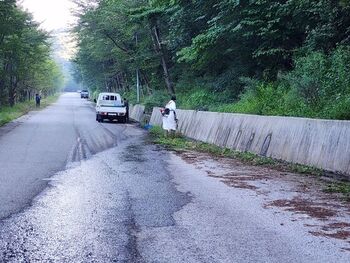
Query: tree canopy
x=26, y=65
x=215, y=53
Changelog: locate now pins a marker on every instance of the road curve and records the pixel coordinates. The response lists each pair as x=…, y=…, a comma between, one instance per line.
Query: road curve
x=36, y=146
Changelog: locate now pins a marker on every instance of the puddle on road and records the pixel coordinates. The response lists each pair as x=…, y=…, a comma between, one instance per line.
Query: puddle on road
x=134, y=153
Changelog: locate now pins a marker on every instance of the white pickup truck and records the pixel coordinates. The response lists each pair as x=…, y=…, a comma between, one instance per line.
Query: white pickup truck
x=110, y=106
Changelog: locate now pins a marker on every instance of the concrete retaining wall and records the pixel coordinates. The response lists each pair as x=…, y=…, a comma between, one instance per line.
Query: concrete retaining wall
x=136, y=112
x=320, y=143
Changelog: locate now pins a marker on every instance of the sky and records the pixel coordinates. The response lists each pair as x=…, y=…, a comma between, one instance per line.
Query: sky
x=54, y=16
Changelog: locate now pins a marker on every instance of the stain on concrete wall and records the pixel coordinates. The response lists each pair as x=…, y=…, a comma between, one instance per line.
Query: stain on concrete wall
x=237, y=138
x=250, y=142
x=266, y=145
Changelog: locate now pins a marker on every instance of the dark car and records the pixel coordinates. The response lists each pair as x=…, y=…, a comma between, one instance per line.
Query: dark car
x=84, y=94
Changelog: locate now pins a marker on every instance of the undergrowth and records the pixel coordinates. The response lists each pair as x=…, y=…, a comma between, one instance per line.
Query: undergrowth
x=179, y=142
x=342, y=188
x=8, y=114
x=316, y=87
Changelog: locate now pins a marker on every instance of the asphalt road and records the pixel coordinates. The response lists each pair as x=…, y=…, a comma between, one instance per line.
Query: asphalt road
x=42, y=143
x=104, y=194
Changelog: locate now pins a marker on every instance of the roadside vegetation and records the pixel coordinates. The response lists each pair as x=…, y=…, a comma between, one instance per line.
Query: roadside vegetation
x=179, y=143
x=342, y=188
x=289, y=58
x=9, y=113
x=26, y=63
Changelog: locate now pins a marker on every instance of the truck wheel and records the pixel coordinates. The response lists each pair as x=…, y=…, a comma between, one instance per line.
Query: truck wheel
x=122, y=119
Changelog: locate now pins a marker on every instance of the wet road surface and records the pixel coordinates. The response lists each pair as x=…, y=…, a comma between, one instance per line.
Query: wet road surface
x=135, y=202
x=42, y=143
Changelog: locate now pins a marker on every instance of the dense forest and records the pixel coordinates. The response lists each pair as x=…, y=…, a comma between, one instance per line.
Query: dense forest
x=285, y=57
x=26, y=64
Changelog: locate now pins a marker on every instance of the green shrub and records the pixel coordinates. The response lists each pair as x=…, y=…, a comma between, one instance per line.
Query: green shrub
x=318, y=87
x=307, y=77
x=198, y=99
x=131, y=96
x=338, y=109
x=248, y=103
x=157, y=132
x=323, y=83
x=157, y=99
x=267, y=99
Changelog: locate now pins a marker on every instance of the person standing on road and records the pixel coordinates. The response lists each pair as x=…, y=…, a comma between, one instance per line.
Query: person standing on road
x=37, y=100
x=169, y=117
x=126, y=103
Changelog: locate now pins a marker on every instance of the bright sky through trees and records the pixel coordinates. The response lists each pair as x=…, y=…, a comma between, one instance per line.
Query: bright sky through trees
x=54, y=14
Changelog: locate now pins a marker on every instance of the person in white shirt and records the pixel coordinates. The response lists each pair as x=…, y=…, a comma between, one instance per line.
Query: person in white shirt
x=169, y=117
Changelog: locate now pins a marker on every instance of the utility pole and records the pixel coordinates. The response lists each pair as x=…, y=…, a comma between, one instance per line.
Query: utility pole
x=137, y=86
x=137, y=77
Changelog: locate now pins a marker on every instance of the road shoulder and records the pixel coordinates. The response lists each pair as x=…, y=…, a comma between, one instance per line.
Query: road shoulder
x=299, y=199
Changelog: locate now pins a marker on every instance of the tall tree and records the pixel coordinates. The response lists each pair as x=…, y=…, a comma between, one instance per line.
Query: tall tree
x=25, y=56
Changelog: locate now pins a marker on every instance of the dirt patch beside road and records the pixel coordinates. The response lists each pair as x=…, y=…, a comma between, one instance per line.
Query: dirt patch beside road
x=320, y=211
x=326, y=215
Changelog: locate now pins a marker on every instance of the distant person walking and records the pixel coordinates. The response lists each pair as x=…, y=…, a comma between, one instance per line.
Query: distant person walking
x=169, y=117
x=126, y=103
x=37, y=100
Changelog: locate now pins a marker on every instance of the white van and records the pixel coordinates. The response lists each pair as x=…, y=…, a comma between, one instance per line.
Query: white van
x=110, y=106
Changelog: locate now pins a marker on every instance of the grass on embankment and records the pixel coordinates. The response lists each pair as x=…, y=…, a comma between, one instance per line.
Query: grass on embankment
x=181, y=143
x=8, y=114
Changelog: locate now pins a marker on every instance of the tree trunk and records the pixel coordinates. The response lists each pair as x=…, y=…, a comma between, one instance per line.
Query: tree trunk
x=146, y=82
x=12, y=91
x=4, y=85
x=160, y=51
x=124, y=78
x=119, y=83
x=2, y=89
